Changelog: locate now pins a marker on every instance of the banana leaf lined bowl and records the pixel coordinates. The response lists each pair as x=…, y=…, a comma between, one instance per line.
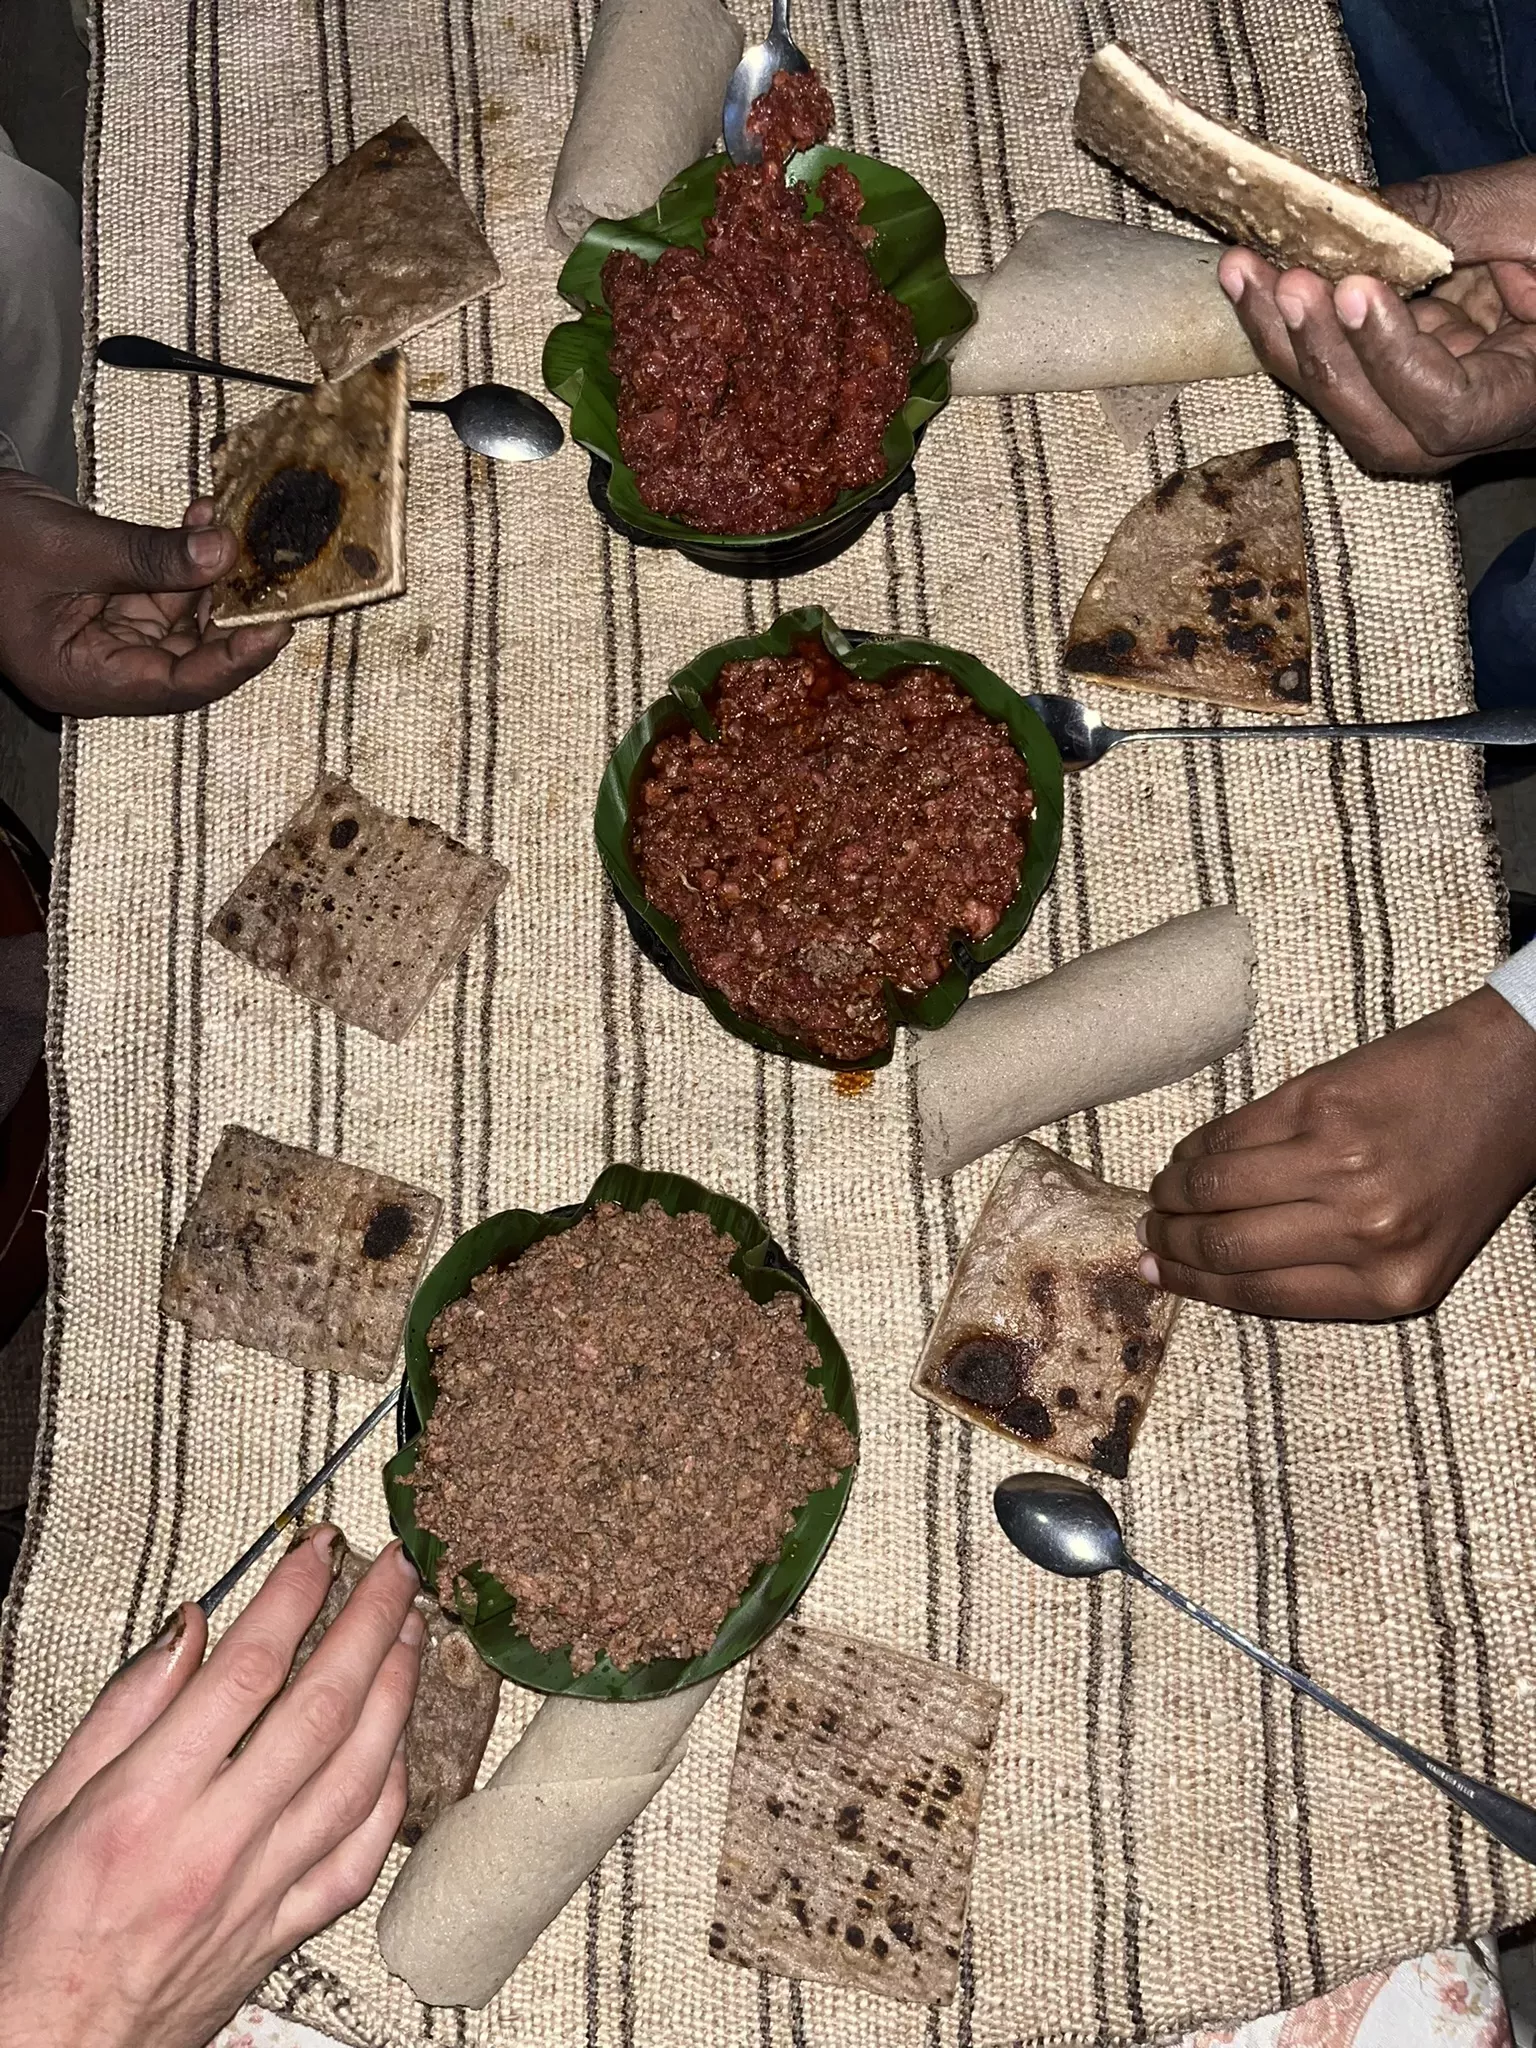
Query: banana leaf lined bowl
x=908, y=256
x=485, y=1607
x=686, y=702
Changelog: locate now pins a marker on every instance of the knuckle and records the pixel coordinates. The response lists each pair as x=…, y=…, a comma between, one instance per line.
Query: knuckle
x=127, y=1822
x=1402, y=1287
x=325, y=1712
x=349, y=1804
x=194, y=1888
x=256, y=1668
x=1217, y=1248
x=1203, y=1183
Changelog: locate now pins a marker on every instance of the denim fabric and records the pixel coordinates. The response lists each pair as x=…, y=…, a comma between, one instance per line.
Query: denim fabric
x=1449, y=84
x=1501, y=619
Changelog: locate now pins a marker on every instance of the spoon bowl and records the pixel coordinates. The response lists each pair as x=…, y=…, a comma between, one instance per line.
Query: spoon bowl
x=1060, y=1524
x=759, y=66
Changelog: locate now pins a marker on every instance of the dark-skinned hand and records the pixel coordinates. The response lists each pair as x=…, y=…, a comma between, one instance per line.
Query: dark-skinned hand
x=1360, y=1190
x=99, y=617
x=1414, y=387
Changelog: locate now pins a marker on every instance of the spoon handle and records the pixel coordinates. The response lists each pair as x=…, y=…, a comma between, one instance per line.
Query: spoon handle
x=1512, y=728
x=1506, y=1819
x=138, y=352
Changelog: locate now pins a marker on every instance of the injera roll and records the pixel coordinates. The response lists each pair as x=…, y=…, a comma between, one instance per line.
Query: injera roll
x=1166, y=1840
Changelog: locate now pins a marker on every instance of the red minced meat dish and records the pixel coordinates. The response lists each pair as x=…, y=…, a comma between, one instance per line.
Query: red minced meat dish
x=622, y=1435
x=835, y=838
x=757, y=376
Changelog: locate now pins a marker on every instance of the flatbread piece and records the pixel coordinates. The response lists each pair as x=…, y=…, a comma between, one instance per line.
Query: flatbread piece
x=379, y=247
x=1202, y=591
x=360, y=909
x=302, y=1256
x=454, y=1711
x=851, y=1826
x=314, y=490
x=1048, y=1333
x=1248, y=191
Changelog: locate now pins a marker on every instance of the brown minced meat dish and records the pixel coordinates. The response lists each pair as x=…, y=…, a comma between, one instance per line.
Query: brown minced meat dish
x=834, y=840
x=757, y=375
x=622, y=1436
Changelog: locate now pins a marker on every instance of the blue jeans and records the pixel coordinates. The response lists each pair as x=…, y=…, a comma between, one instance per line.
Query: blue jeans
x=1451, y=85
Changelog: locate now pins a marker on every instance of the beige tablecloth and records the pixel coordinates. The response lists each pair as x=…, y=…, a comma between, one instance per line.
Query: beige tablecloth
x=1165, y=1841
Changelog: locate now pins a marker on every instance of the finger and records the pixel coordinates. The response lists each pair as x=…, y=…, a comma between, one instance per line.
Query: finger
x=1196, y=1182
x=191, y=1741
x=1516, y=285
x=91, y=555
x=1271, y=1120
x=1482, y=215
x=1291, y=1234
x=344, y=1790
x=1453, y=405
x=129, y=1704
x=1249, y=283
x=198, y=513
x=1295, y=1294
x=1332, y=379
x=314, y=1720
x=345, y=1877
x=111, y=678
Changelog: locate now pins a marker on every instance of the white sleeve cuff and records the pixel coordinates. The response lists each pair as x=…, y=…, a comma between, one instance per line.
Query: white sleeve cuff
x=1515, y=981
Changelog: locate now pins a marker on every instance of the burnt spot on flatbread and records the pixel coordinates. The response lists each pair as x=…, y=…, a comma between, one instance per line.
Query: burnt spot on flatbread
x=389, y=1231
x=291, y=518
x=1184, y=641
x=1113, y=654
x=1123, y=1299
x=1111, y=1453
x=1068, y=1398
x=1027, y=1417
x=1294, y=683
x=361, y=561
x=986, y=1371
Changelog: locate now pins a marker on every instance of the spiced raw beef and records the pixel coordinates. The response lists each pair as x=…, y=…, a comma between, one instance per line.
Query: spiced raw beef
x=834, y=839
x=757, y=375
x=622, y=1436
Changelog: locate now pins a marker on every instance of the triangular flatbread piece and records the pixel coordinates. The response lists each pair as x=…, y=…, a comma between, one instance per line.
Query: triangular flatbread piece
x=1247, y=190
x=1049, y=1334
x=314, y=491
x=381, y=246
x=1202, y=591
x=1134, y=410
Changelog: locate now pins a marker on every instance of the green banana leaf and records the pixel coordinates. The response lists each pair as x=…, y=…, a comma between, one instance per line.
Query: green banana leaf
x=686, y=702
x=485, y=1606
x=907, y=253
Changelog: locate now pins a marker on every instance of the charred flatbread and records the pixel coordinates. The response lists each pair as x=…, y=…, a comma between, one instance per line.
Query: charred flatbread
x=455, y=1707
x=851, y=1826
x=1049, y=1334
x=1202, y=591
x=314, y=490
x=360, y=909
x=1248, y=191
x=379, y=247
x=302, y=1256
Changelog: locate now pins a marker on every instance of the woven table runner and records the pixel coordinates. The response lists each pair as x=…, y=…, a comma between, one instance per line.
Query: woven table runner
x=1166, y=1840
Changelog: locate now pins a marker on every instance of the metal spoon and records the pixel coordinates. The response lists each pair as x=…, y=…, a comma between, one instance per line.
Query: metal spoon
x=493, y=419
x=1082, y=737
x=758, y=68
x=1067, y=1528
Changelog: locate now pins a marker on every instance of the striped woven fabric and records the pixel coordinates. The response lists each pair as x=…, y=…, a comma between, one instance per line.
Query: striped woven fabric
x=1166, y=1841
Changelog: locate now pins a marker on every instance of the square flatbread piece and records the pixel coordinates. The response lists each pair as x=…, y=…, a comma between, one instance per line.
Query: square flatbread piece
x=306, y=1257
x=1249, y=191
x=1048, y=1333
x=381, y=246
x=1202, y=591
x=851, y=1828
x=453, y=1712
x=314, y=490
x=360, y=909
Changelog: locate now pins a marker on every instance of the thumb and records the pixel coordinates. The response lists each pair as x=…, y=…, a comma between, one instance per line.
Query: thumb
x=130, y=1702
x=1485, y=216
x=99, y=555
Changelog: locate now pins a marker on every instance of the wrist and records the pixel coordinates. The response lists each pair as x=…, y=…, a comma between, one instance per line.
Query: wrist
x=1496, y=1047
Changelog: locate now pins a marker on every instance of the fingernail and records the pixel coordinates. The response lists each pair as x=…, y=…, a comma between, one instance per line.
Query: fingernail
x=206, y=546
x=1234, y=286
x=404, y=1563
x=173, y=1631
x=323, y=1542
x=1147, y=1268
x=1292, y=312
x=1351, y=305
x=412, y=1629
x=1141, y=1229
